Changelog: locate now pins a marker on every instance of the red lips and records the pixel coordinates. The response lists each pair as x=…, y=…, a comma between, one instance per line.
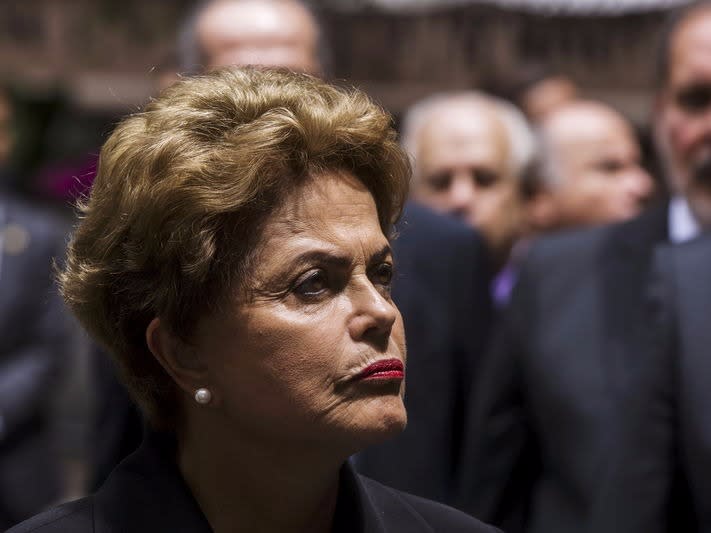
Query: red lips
x=387, y=369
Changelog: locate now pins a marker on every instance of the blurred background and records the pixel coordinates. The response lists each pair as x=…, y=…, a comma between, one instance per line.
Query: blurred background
x=73, y=66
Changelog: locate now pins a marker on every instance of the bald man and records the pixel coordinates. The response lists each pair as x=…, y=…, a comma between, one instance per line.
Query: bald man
x=470, y=151
x=252, y=32
x=590, y=169
x=550, y=408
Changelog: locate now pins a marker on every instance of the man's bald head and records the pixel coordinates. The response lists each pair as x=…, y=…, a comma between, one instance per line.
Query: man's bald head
x=590, y=166
x=252, y=32
x=469, y=151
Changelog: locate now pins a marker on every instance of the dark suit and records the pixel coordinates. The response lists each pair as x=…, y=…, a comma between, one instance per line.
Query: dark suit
x=146, y=493
x=442, y=293
x=661, y=478
x=33, y=343
x=116, y=428
x=544, y=411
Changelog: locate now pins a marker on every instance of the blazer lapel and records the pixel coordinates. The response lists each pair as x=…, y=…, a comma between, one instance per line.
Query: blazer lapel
x=147, y=493
x=355, y=511
x=626, y=261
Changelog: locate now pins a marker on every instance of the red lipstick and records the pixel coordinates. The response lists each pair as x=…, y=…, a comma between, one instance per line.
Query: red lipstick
x=387, y=369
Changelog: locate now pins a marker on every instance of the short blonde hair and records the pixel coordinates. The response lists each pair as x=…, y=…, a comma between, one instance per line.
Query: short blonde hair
x=183, y=190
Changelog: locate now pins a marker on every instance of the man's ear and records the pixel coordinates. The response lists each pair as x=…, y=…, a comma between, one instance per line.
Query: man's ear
x=179, y=360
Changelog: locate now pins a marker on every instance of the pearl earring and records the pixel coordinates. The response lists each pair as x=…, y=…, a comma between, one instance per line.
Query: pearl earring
x=203, y=396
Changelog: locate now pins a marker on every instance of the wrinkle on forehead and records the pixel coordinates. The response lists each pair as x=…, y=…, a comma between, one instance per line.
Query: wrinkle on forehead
x=324, y=207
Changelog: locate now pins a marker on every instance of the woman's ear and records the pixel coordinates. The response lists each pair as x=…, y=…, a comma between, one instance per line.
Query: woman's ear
x=178, y=359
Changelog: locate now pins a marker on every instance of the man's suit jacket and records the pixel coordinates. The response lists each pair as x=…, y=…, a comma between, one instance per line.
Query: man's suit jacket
x=147, y=494
x=442, y=293
x=545, y=406
x=33, y=341
x=660, y=479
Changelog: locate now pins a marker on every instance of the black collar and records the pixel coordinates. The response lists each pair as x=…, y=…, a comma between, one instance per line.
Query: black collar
x=146, y=492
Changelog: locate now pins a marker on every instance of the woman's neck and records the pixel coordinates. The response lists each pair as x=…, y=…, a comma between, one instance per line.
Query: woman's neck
x=244, y=484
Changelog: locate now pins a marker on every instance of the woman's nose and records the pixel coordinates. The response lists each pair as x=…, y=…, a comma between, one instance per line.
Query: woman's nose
x=373, y=315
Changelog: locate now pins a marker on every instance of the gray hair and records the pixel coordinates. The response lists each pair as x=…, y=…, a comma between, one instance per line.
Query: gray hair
x=522, y=143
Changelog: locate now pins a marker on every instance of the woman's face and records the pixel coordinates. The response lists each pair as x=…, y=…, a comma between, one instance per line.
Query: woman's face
x=294, y=362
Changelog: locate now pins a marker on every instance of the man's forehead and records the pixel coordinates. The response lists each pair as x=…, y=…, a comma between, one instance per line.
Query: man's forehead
x=597, y=150
x=458, y=123
x=691, y=44
x=238, y=19
x=583, y=120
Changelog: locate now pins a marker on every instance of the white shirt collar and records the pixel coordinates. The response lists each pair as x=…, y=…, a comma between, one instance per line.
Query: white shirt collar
x=683, y=225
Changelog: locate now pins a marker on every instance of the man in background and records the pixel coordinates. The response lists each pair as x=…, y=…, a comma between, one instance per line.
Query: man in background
x=589, y=169
x=659, y=478
x=547, y=419
x=470, y=152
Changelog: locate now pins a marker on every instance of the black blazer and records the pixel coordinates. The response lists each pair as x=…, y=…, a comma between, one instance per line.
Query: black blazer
x=442, y=292
x=661, y=478
x=34, y=344
x=146, y=494
x=546, y=403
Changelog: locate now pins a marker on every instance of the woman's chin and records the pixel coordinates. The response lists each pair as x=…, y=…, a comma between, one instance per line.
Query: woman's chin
x=379, y=421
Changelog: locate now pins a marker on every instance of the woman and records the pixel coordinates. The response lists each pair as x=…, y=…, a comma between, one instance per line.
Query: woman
x=233, y=258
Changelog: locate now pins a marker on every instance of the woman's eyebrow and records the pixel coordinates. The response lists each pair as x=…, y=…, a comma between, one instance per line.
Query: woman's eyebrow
x=321, y=257
x=335, y=259
x=381, y=255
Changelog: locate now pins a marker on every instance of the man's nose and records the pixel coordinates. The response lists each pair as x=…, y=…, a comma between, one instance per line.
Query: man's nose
x=463, y=192
x=638, y=183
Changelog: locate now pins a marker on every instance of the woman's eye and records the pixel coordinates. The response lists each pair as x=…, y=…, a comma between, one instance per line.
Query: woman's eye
x=312, y=284
x=383, y=275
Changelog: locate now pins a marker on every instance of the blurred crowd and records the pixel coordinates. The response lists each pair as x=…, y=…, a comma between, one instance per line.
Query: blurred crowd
x=556, y=297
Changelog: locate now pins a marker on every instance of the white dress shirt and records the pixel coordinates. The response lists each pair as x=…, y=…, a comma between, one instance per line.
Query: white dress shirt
x=683, y=225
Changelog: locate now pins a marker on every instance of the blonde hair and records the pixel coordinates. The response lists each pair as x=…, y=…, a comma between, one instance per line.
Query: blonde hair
x=183, y=190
